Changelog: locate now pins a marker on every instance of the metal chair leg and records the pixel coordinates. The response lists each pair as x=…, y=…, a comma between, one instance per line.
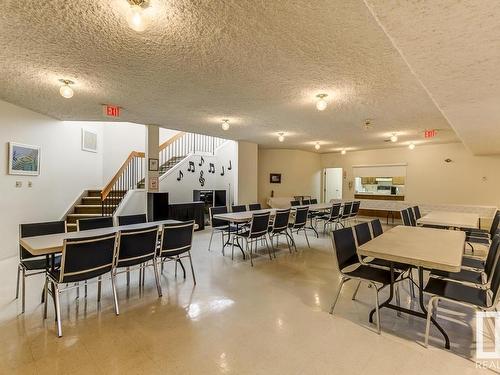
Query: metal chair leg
x=99, y=282
x=128, y=276
x=377, y=308
x=55, y=291
x=157, y=278
x=192, y=268
x=428, y=322
x=342, y=281
x=210, y=242
x=45, y=295
x=24, y=290
x=264, y=238
x=246, y=247
x=307, y=239
x=18, y=279
x=356, y=291
x=115, y=295
x=398, y=300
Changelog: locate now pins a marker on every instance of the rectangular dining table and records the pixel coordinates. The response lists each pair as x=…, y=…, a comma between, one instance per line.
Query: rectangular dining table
x=450, y=219
x=423, y=248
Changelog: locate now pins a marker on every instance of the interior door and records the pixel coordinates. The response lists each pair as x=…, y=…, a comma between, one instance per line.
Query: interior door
x=333, y=183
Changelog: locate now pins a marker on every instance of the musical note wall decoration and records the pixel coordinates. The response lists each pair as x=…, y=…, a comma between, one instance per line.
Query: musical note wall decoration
x=212, y=168
x=201, y=179
x=191, y=167
x=230, y=166
x=202, y=161
x=223, y=172
x=181, y=175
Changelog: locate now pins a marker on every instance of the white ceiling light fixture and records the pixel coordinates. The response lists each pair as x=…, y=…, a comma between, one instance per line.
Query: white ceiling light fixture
x=281, y=137
x=136, y=18
x=65, y=90
x=343, y=152
x=394, y=137
x=317, y=146
x=321, y=104
x=411, y=146
x=225, y=124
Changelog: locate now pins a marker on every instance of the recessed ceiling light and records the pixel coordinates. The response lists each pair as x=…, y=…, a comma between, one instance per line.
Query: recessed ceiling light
x=321, y=104
x=317, y=146
x=411, y=146
x=394, y=137
x=343, y=152
x=136, y=19
x=65, y=90
x=281, y=137
x=225, y=124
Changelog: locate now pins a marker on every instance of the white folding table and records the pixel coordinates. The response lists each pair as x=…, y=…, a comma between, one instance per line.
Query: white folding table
x=450, y=219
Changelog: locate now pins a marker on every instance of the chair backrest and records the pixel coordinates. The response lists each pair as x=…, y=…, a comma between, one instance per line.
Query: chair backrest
x=494, y=224
x=495, y=282
x=132, y=219
x=216, y=223
x=376, y=227
x=306, y=201
x=346, y=211
x=281, y=219
x=301, y=217
x=344, y=247
x=355, y=208
x=335, y=211
x=492, y=256
x=240, y=208
x=136, y=246
x=363, y=234
x=314, y=201
x=259, y=224
x=176, y=238
x=38, y=229
x=254, y=206
x=86, y=258
x=94, y=223
x=294, y=203
x=411, y=216
x=405, y=217
x=416, y=211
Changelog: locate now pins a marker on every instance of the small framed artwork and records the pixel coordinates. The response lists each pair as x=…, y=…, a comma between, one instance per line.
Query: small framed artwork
x=89, y=140
x=275, y=178
x=153, y=165
x=24, y=159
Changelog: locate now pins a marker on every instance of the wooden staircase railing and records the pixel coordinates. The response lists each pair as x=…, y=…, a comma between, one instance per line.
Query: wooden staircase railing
x=132, y=172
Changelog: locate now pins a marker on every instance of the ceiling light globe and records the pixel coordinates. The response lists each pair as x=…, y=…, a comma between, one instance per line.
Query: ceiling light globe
x=343, y=152
x=411, y=146
x=317, y=146
x=66, y=91
x=225, y=125
x=136, y=19
x=321, y=104
x=394, y=138
x=281, y=138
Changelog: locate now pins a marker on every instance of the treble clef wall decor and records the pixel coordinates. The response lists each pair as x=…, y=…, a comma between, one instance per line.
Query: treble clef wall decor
x=201, y=179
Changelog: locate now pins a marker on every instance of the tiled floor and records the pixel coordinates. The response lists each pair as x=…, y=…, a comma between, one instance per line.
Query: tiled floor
x=269, y=319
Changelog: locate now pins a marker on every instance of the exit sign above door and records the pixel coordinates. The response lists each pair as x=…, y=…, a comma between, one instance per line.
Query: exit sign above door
x=111, y=111
x=431, y=133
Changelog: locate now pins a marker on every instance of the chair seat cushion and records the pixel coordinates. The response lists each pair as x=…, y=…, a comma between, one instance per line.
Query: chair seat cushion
x=373, y=274
x=386, y=263
x=464, y=276
x=33, y=264
x=476, y=231
x=472, y=262
x=457, y=292
x=477, y=235
x=485, y=241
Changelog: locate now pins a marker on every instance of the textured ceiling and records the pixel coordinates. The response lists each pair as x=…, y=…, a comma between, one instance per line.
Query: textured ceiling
x=454, y=49
x=258, y=63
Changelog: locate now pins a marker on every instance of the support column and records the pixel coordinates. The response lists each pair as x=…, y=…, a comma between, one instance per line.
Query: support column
x=152, y=158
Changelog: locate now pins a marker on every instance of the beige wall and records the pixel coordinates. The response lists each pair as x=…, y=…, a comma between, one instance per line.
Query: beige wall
x=468, y=179
x=246, y=184
x=300, y=173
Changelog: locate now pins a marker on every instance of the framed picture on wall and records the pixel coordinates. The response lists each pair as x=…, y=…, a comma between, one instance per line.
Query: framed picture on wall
x=89, y=140
x=153, y=165
x=275, y=178
x=24, y=159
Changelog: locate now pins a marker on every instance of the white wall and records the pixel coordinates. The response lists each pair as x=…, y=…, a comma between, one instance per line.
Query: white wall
x=300, y=173
x=65, y=170
x=468, y=179
x=247, y=170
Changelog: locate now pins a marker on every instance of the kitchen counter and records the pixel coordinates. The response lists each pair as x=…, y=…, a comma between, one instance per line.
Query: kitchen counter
x=385, y=197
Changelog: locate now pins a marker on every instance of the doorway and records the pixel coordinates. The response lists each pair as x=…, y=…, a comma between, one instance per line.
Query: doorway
x=332, y=183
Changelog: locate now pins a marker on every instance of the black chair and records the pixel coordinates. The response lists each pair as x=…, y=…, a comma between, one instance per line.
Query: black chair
x=83, y=259
x=416, y=211
x=405, y=217
x=376, y=227
x=132, y=219
x=354, y=210
x=314, y=201
x=475, y=263
x=411, y=217
x=176, y=241
x=344, y=247
x=254, y=207
x=94, y=223
x=346, y=213
x=294, y=203
x=30, y=264
x=471, y=296
x=220, y=226
x=258, y=229
x=240, y=208
x=332, y=218
x=137, y=247
x=306, y=202
x=299, y=224
x=279, y=228
x=481, y=236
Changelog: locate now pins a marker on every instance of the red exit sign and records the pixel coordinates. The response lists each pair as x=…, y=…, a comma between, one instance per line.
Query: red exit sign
x=111, y=111
x=430, y=133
